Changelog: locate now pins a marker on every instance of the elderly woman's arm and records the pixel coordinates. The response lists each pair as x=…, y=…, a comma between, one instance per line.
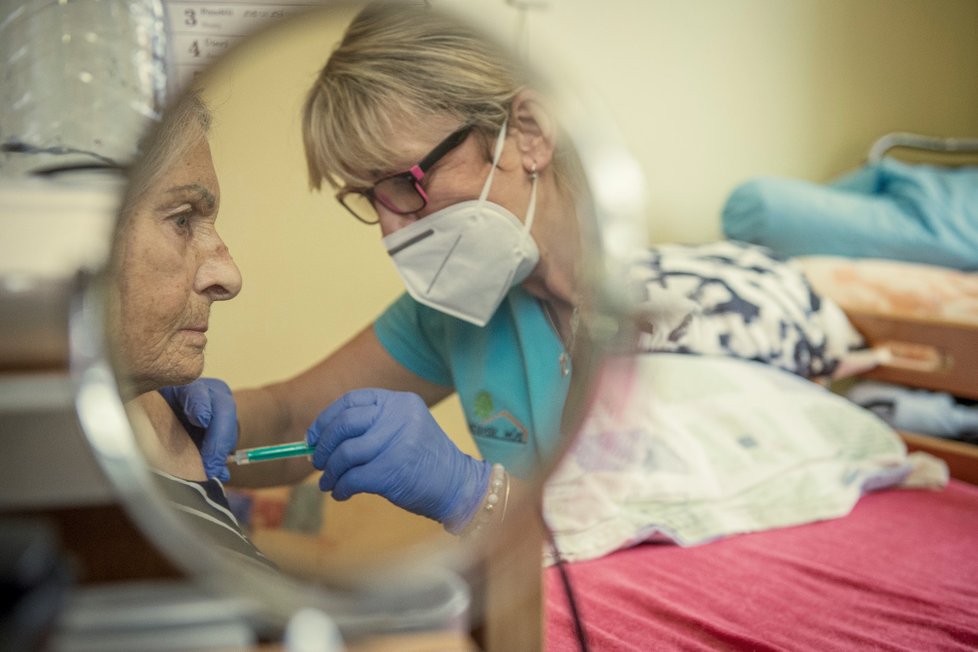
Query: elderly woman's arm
x=283, y=412
x=163, y=439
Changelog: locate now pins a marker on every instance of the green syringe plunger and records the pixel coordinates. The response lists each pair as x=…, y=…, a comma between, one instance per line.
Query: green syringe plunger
x=268, y=453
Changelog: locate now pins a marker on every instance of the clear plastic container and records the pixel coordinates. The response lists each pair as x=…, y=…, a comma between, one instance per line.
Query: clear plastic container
x=81, y=81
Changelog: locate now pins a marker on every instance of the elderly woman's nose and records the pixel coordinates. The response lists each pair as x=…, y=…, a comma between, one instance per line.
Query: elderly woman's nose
x=218, y=276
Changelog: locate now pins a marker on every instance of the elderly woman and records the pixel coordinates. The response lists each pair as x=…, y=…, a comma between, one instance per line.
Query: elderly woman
x=170, y=265
x=428, y=130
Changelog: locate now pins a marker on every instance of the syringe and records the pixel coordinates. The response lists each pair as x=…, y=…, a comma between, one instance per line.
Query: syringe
x=266, y=453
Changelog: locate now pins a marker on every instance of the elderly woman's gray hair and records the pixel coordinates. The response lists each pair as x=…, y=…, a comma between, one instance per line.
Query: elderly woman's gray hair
x=182, y=124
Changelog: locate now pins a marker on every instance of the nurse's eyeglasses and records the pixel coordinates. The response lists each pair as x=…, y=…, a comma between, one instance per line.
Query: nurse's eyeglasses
x=399, y=193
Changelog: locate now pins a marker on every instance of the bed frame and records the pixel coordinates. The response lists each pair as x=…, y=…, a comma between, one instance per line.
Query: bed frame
x=924, y=353
x=933, y=355
x=928, y=354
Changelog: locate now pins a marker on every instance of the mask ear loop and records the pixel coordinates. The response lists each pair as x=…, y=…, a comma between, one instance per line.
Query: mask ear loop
x=523, y=248
x=531, y=208
x=497, y=154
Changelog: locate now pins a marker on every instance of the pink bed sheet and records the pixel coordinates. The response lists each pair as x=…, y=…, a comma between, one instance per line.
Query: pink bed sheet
x=900, y=572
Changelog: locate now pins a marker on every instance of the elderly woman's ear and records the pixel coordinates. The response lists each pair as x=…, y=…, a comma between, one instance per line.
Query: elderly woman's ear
x=536, y=132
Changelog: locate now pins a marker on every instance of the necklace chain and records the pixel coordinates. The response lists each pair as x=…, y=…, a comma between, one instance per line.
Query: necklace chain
x=567, y=344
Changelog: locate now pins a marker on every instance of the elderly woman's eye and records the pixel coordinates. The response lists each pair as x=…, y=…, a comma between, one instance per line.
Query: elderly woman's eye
x=182, y=219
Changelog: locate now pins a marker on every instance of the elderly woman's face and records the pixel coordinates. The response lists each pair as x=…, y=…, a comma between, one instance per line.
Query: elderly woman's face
x=172, y=266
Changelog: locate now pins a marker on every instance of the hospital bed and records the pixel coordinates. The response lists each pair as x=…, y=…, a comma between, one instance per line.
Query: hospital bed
x=898, y=572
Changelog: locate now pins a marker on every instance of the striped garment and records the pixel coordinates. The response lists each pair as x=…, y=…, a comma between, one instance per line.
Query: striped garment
x=205, y=507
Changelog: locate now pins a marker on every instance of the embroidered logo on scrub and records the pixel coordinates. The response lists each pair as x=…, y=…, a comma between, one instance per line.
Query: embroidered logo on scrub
x=501, y=425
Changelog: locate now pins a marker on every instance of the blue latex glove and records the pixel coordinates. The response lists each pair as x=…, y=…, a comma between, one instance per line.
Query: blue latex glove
x=387, y=443
x=207, y=410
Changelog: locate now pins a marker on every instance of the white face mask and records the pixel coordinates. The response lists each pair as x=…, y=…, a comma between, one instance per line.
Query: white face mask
x=463, y=259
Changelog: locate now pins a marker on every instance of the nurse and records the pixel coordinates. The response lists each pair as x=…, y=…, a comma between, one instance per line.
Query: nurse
x=424, y=129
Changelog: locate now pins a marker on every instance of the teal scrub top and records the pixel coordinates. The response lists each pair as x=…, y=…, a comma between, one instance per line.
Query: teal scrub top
x=507, y=374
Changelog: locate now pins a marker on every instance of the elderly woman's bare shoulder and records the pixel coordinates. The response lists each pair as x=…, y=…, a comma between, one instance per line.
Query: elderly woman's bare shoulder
x=171, y=450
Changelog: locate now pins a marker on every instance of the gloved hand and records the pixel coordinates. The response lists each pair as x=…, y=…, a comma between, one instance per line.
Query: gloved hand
x=387, y=443
x=207, y=410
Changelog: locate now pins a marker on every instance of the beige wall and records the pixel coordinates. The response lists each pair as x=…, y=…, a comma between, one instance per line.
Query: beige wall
x=312, y=275
x=706, y=93
x=710, y=92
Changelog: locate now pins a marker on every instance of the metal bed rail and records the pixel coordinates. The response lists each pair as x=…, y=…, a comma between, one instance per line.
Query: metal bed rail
x=921, y=142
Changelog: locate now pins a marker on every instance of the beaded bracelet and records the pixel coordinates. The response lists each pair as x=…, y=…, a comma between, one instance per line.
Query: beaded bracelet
x=498, y=493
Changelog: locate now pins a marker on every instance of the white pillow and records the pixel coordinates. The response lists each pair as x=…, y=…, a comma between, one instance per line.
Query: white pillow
x=690, y=448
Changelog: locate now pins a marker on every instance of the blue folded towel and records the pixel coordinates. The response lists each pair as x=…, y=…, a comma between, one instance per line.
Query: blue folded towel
x=912, y=212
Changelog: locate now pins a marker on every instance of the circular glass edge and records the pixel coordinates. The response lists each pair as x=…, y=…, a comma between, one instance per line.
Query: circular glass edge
x=360, y=602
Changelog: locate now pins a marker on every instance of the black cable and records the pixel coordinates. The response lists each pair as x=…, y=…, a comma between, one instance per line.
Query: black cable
x=561, y=565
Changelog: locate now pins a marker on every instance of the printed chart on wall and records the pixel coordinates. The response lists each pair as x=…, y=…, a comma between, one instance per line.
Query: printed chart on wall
x=201, y=32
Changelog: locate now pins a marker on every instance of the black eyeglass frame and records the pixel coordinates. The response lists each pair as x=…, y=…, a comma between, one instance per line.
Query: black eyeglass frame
x=413, y=176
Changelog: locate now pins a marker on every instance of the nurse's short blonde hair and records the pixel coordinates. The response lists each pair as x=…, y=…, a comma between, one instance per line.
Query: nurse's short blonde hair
x=401, y=64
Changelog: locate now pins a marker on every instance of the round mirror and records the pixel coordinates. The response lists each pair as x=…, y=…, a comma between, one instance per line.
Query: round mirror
x=316, y=279
x=462, y=253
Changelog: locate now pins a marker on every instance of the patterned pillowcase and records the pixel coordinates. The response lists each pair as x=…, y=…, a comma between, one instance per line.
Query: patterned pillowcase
x=740, y=300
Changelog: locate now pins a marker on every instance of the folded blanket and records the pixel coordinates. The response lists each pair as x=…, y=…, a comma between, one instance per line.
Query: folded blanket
x=911, y=212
